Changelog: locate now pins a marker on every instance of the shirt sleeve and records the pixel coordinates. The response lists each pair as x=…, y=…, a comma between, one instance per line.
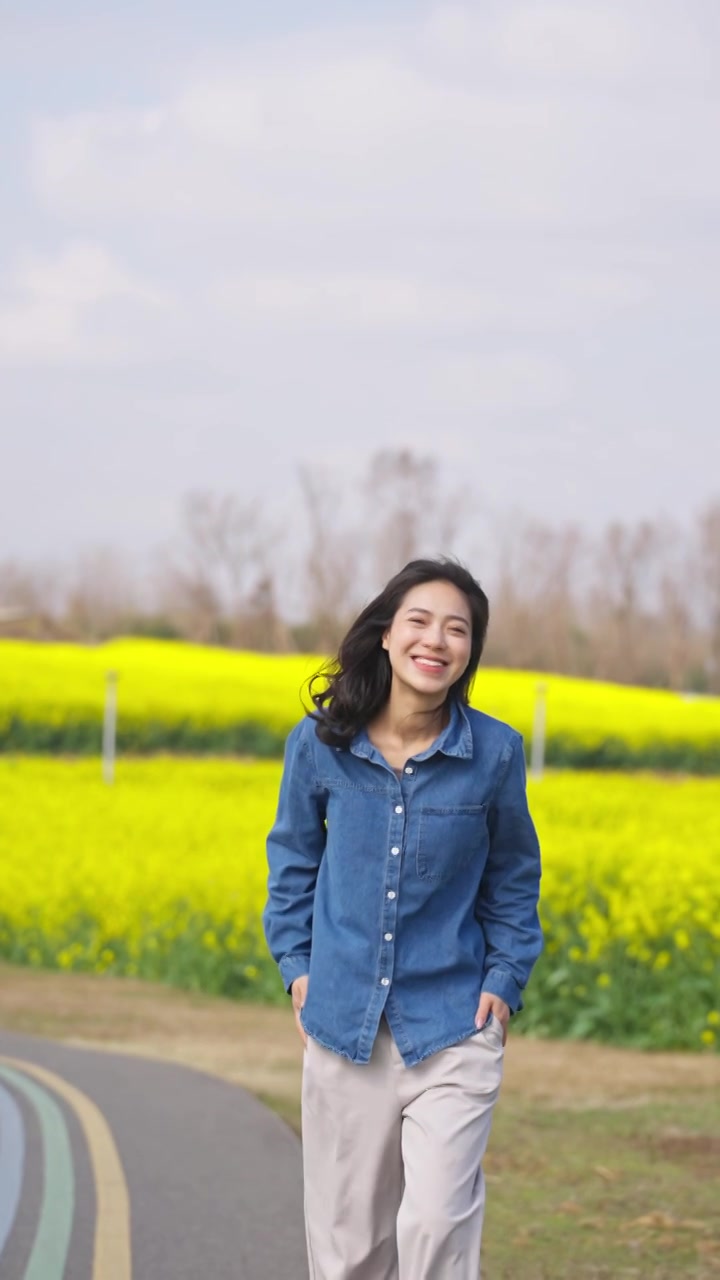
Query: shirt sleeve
x=295, y=848
x=506, y=903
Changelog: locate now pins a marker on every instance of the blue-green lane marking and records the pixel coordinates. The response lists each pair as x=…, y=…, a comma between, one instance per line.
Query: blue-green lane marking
x=12, y=1162
x=52, y=1240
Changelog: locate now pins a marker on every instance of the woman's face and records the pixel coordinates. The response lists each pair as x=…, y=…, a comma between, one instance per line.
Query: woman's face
x=428, y=641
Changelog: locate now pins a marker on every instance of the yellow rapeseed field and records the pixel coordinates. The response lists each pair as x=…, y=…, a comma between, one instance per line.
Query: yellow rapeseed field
x=163, y=875
x=184, y=697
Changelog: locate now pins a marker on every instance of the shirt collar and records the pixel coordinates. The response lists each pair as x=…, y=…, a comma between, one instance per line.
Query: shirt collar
x=455, y=740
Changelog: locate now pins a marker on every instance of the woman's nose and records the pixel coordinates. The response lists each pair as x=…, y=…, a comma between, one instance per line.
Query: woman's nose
x=436, y=639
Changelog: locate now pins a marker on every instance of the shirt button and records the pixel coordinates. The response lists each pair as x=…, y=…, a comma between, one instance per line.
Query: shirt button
x=388, y=937
x=394, y=850
x=385, y=982
x=392, y=894
x=409, y=769
x=398, y=808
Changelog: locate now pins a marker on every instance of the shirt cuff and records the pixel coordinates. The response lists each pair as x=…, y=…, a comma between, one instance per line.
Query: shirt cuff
x=498, y=982
x=292, y=967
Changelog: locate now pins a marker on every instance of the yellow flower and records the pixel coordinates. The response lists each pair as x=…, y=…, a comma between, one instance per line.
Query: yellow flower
x=177, y=847
x=708, y=1037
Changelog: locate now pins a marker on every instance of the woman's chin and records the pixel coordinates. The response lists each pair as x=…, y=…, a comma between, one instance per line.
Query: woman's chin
x=425, y=683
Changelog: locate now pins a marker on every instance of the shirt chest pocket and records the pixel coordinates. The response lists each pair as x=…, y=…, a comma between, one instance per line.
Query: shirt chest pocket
x=449, y=839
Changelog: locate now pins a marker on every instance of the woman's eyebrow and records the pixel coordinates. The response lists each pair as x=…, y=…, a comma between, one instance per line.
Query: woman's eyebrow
x=451, y=617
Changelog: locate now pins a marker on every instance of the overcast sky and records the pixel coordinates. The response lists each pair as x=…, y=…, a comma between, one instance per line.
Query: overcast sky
x=236, y=237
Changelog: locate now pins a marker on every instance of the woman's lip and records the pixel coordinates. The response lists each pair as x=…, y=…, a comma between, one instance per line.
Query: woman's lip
x=433, y=664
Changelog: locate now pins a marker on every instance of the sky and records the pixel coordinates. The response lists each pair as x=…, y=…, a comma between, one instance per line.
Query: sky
x=237, y=239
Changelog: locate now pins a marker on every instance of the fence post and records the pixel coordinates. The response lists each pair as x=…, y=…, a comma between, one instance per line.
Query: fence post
x=109, y=725
x=537, y=754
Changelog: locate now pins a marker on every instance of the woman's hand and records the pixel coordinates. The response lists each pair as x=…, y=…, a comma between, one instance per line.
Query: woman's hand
x=499, y=1009
x=298, y=992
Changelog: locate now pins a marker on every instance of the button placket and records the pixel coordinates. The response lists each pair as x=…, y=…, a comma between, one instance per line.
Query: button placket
x=391, y=893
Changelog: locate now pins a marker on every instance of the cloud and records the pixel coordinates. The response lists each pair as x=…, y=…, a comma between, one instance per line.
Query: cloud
x=612, y=44
x=499, y=383
x=545, y=298
x=523, y=119
x=53, y=301
x=482, y=178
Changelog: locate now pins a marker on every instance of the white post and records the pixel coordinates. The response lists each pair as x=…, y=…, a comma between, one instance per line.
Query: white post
x=537, y=755
x=109, y=723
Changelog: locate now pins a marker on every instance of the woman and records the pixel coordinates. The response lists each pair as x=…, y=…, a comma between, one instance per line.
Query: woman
x=403, y=883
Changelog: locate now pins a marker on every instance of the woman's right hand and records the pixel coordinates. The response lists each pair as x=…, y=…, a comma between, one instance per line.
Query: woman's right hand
x=298, y=992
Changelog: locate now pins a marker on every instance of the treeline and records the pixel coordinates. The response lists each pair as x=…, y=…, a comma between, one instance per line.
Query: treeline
x=637, y=603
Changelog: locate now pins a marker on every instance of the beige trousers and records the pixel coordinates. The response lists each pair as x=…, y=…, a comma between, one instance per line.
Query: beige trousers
x=392, y=1158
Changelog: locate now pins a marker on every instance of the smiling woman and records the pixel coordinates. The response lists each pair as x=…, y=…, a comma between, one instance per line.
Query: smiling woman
x=402, y=914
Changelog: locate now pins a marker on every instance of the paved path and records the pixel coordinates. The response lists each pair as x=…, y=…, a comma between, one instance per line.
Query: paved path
x=124, y=1168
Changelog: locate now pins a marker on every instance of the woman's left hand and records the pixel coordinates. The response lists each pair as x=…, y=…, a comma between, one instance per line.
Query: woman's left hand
x=499, y=1009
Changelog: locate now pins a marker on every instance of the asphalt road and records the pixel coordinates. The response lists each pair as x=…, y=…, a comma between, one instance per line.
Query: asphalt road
x=122, y=1168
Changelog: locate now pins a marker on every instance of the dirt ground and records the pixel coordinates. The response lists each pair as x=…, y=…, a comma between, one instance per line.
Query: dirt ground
x=259, y=1047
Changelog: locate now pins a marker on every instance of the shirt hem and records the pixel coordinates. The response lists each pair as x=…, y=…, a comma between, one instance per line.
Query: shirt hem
x=410, y=1061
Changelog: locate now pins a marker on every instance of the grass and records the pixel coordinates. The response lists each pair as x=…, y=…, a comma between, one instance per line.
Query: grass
x=603, y=1193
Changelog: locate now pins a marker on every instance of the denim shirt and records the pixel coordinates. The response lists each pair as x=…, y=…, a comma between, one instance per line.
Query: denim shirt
x=408, y=897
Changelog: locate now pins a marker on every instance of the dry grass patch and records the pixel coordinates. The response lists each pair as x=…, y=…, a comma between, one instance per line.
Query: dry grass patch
x=258, y=1046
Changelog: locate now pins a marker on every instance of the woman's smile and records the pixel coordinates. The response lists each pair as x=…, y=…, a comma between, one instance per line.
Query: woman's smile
x=433, y=666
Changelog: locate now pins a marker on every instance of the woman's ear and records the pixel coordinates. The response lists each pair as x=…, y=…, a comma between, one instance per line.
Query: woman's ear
x=386, y=639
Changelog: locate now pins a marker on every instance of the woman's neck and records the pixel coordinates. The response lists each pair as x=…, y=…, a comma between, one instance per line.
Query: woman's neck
x=406, y=719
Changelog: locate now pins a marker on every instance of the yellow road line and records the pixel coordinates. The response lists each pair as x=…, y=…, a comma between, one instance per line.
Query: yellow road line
x=112, y=1255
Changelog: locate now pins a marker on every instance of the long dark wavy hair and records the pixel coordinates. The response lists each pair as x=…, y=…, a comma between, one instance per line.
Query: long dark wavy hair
x=356, y=684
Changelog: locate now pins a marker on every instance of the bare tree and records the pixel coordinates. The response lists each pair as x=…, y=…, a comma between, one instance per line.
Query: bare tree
x=681, y=652
x=639, y=604
x=709, y=563
x=408, y=511
x=212, y=570
x=627, y=570
x=260, y=626
x=101, y=595
x=331, y=566
x=535, y=615
x=31, y=602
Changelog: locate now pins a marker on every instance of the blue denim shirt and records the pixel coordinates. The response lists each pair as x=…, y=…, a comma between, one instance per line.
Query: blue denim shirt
x=405, y=896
